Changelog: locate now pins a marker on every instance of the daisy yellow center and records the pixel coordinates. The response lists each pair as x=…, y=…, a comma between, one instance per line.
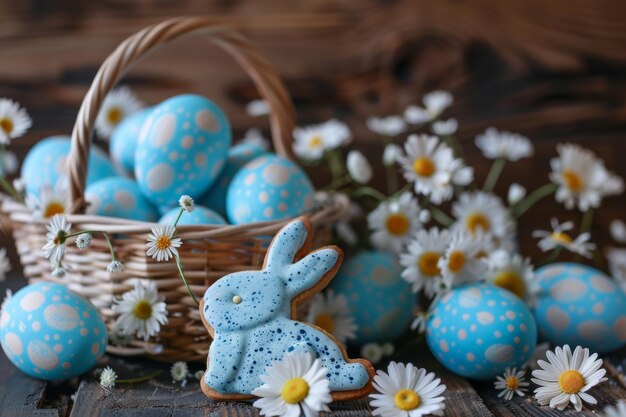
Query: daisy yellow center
x=428, y=264
x=511, y=280
x=295, y=390
x=143, y=310
x=512, y=383
x=163, y=242
x=114, y=115
x=406, y=400
x=456, y=261
x=571, y=382
x=6, y=125
x=315, y=142
x=562, y=238
x=325, y=321
x=397, y=224
x=54, y=207
x=573, y=181
x=477, y=220
x=424, y=167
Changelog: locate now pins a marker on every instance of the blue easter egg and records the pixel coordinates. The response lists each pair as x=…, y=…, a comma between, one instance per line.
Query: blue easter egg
x=51, y=333
x=182, y=149
x=238, y=156
x=380, y=301
x=579, y=305
x=45, y=164
x=267, y=189
x=477, y=330
x=123, y=142
x=201, y=215
x=119, y=197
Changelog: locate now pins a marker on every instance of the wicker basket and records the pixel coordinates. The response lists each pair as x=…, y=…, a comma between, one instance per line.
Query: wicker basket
x=208, y=252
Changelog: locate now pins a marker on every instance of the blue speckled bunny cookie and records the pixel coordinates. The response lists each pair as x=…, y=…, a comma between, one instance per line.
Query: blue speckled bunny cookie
x=250, y=317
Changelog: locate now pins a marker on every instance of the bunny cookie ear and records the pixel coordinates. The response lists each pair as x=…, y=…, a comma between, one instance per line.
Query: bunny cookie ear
x=291, y=241
x=314, y=270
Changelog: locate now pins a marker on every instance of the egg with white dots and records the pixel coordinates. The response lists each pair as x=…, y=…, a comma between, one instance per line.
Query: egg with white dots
x=119, y=197
x=579, y=305
x=45, y=164
x=123, y=141
x=182, y=149
x=380, y=301
x=200, y=215
x=50, y=333
x=238, y=156
x=269, y=188
x=478, y=330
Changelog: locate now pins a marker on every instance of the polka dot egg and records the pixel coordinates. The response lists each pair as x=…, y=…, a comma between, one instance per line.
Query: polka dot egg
x=119, y=197
x=45, y=164
x=579, y=305
x=268, y=188
x=50, y=333
x=182, y=149
x=238, y=156
x=201, y=215
x=373, y=275
x=477, y=330
x=123, y=142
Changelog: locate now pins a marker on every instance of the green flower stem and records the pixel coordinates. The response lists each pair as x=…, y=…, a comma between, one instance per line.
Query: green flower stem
x=335, y=163
x=440, y=216
x=182, y=275
x=552, y=256
x=180, y=213
x=585, y=224
x=494, y=174
x=368, y=192
x=7, y=187
x=402, y=190
x=139, y=379
x=533, y=198
x=338, y=183
x=93, y=232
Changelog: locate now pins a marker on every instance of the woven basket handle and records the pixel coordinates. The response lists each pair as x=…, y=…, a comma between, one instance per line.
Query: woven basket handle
x=269, y=85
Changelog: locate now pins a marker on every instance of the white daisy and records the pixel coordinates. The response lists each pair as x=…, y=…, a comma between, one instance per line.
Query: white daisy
x=618, y=411
x=511, y=383
x=434, y=102
x=496, y=144
x=14, y=120
x=118, y=337
x=115, y=266
x=513, y=273
x=51, y=201
x=386, y=126
x=558, y=237
x=516, y=193
x=388, y=349
x=617, y=265
x=618, y=231
x=421, y=259
x=254, y=136
x=83, y=241
x=479, y=210
x=312, y=141
x=372, y=351
x=8, y=163
x=391, y=154
x=199, y=374
x=445, y=127
x=582, y=178
x=461, y=262
x=393, y=222
x=359, y=167
x=161, y=243
x=179, y=371
x=567, y=377
x=431, y=166
x=58, y=229
x=331, y=313
x=257, y=108
x=142, y=311
x=419, y=322
x=187, y=203
x=294, y=386
x=406, y=391
x=108, y=377
x=5, y=265
x=117, y=105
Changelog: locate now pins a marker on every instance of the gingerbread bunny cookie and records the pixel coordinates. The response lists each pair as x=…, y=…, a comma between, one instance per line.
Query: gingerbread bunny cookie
x=250, y=316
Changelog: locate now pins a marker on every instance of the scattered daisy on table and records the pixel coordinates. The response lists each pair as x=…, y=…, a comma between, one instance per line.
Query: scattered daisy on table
x=108, y=378
x=512, y=383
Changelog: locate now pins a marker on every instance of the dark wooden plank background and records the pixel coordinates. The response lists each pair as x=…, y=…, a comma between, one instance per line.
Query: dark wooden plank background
x=552, y=70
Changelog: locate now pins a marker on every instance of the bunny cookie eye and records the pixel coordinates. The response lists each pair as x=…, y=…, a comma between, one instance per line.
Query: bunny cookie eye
x=237, y=299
